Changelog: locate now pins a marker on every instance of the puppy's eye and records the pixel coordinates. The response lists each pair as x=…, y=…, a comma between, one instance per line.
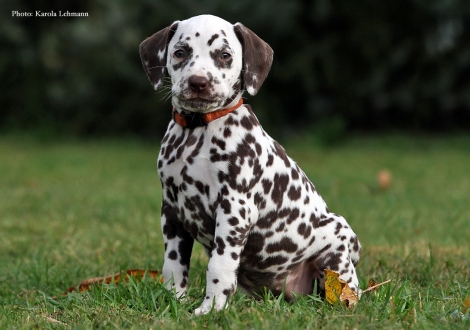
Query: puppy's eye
x=225, y=56
x=179, y=53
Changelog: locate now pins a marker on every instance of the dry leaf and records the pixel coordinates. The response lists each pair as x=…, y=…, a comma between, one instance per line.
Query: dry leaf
x=137, y=274
x=466, y=305
x=348, y=296
x=338, y=290
x=332, y=286
x=384, y=178
x=373, y=285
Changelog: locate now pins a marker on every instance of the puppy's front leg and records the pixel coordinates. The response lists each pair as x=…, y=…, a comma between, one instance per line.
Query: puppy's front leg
x=178, y=249
x=221, y=277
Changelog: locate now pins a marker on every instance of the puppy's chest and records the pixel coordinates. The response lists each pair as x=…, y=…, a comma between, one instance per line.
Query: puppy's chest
x=184, y=166
x=198, y=166
x=205, y=159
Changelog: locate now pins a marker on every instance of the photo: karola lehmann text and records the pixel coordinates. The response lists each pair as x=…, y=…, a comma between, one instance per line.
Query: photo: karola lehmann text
x=39, y=13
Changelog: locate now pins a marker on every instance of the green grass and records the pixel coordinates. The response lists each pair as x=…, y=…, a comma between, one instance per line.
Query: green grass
x=70, y=210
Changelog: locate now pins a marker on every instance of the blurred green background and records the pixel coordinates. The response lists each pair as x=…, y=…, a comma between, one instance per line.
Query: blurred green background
x=339, y=65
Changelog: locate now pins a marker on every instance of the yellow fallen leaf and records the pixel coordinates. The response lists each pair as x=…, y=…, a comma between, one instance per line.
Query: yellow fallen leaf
x=332, y=286
x=337, y=290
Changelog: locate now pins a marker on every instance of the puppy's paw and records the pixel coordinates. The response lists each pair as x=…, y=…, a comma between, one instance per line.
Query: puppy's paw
x=202, y=310
x=216, y=304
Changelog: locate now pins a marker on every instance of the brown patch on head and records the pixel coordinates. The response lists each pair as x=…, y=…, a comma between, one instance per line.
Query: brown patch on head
x=188, y=55
x=211, y=40
x=219, y=61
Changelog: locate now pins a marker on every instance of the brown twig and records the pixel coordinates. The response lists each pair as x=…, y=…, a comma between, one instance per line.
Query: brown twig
x=376, y=286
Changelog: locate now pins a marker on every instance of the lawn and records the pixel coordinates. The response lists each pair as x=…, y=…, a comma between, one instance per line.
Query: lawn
x=70, y=210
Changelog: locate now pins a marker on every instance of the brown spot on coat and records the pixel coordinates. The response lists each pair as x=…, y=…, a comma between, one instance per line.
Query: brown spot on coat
x=211, y=40
x=285, y=244
x=280, y=186
x=294, y=193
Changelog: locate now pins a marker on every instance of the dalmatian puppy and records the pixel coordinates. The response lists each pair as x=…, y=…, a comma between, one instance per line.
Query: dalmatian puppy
x=226, y=182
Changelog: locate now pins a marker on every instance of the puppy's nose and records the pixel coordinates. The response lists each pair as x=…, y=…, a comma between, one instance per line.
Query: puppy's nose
x=198, y=83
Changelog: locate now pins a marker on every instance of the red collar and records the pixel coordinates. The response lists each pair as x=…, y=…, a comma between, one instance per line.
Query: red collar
x=196, y=119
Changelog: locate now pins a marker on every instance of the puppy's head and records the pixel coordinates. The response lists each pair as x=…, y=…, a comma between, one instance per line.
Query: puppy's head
x=210, y=62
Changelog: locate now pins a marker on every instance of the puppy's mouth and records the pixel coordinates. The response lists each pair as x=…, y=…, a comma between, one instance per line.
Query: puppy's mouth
x=199, y=99
x=197, y=103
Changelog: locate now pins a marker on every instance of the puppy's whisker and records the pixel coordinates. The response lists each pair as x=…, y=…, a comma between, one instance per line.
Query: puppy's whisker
x=167, y=96
x=155, y=67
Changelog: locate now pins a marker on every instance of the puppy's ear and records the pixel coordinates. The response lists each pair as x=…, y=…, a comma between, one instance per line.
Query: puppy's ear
x=153, y=54
x=257, y=58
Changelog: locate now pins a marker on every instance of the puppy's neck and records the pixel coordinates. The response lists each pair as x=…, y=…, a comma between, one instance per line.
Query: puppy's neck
x=191, y=119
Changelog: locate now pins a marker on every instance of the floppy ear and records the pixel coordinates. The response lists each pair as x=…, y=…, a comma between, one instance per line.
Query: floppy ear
x=153, y=54
x=257, y=58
